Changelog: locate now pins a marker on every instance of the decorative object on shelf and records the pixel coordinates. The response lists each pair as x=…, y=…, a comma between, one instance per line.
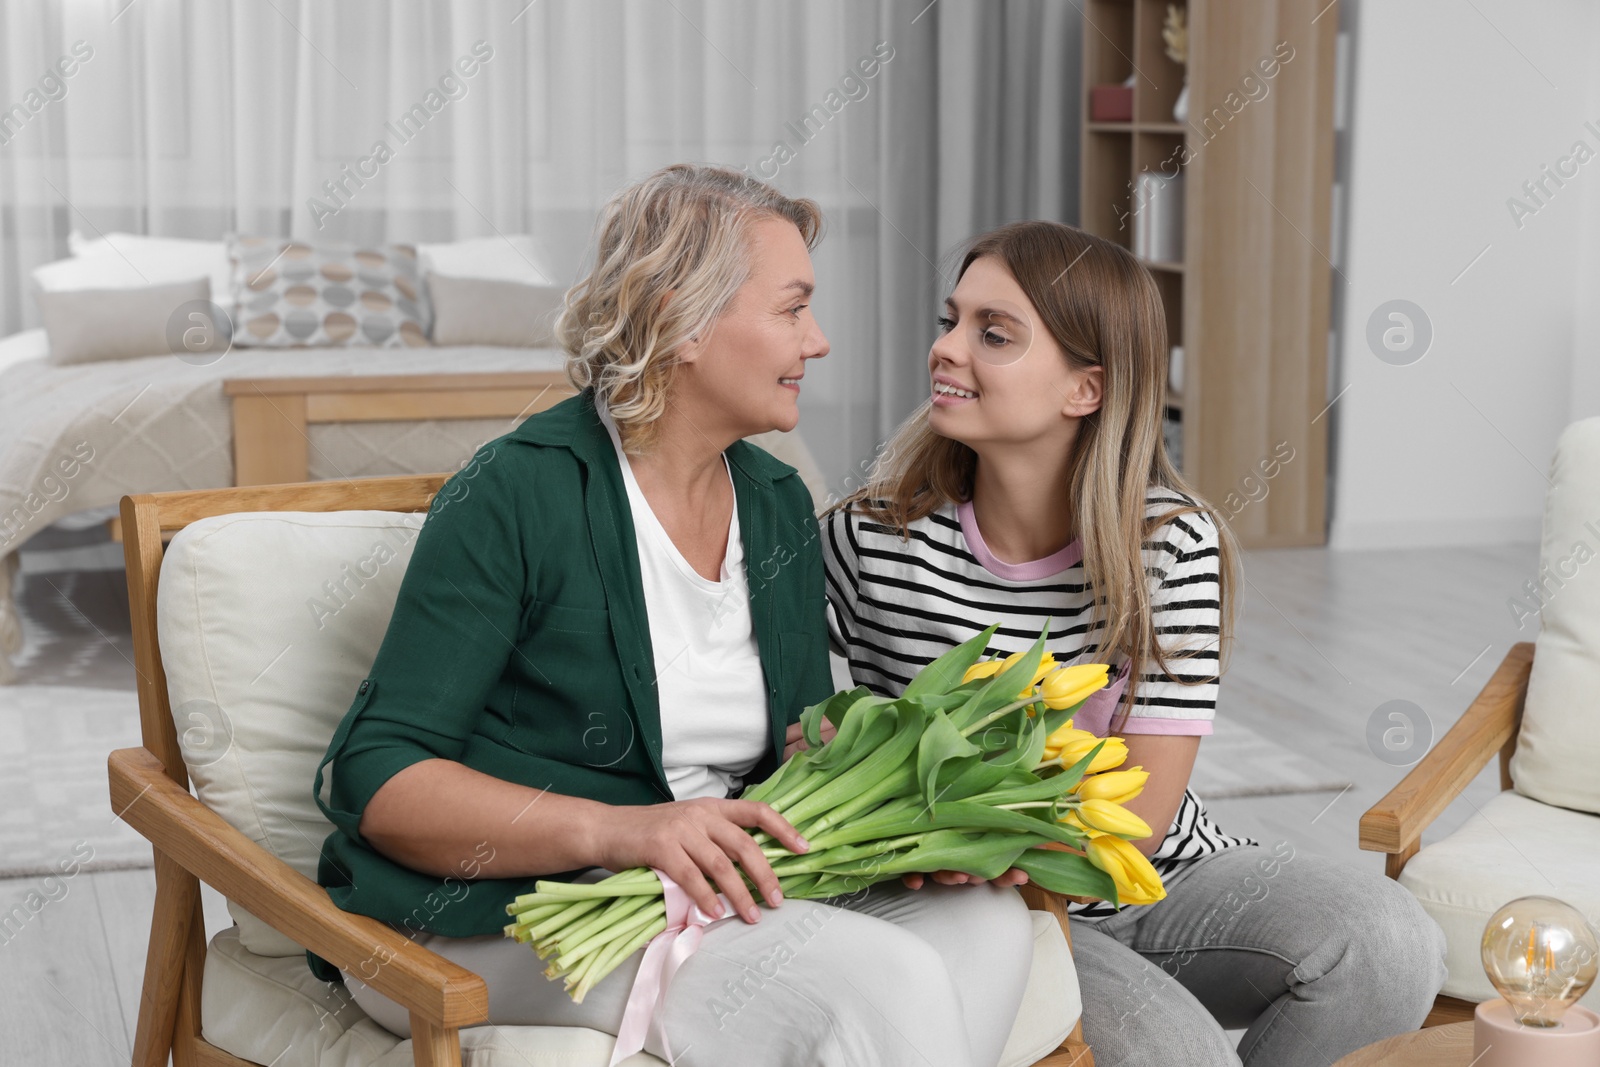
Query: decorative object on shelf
x=1111, y=103
x=1158, y=217
x=1540, y=953
x=1175, y=371
x=1175, y=32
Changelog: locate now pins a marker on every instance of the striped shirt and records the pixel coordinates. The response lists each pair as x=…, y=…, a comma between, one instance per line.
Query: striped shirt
x=894, y=605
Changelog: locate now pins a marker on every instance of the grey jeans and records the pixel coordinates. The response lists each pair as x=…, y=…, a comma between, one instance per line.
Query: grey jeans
x=1314, y=958
x=885, y=977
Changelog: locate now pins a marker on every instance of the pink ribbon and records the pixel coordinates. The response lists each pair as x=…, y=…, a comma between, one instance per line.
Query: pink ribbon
x=666, y=952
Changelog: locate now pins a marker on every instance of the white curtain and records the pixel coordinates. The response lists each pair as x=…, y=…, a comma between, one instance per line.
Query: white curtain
x=190, y=119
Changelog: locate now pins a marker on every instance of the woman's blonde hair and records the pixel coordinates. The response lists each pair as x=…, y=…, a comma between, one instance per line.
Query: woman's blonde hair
x=683, y=230
x=1107, y=314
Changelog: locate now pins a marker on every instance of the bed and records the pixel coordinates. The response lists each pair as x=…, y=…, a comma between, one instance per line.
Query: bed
x=79, y=437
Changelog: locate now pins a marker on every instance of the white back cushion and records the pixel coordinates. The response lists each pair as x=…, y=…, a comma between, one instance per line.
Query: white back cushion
x=268, y=622
x=1559, y=747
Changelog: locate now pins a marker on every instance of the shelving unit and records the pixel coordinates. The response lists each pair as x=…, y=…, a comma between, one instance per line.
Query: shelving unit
x=1249, y=303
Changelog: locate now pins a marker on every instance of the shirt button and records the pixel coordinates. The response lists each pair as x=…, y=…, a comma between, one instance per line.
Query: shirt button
x=363, y=688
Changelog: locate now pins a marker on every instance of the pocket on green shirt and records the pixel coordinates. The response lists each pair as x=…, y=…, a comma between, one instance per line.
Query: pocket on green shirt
x=570, y=703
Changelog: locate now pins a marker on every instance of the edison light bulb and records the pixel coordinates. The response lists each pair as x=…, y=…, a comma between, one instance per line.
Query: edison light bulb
x=1541, y=954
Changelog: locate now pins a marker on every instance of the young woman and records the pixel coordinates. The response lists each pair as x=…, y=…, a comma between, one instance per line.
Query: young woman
x=577, y=679
x=1033, y=487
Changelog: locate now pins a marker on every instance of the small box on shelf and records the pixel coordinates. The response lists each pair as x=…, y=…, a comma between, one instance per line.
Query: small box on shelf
x=1111, y=103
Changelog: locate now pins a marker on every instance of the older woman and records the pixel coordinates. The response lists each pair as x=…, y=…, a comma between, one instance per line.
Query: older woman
x=578, y=679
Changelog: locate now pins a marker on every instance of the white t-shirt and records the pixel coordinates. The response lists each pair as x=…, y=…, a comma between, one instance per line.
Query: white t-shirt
x=709, y=682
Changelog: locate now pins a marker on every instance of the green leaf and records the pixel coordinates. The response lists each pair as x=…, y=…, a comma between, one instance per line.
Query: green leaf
x=1039, y=788
x=941, y=742
x=909, y=718
x=862, y=728
x=984, y=855
x=945, y=673
x=833, y=708
x=1067, y=873
x=1002, y=688
x=904, y=817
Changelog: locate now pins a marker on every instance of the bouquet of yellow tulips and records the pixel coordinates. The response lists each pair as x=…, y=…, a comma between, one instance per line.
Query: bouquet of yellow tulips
x=976, y=767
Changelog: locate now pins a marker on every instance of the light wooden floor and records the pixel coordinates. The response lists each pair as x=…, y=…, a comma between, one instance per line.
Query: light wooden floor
x=1324, y=639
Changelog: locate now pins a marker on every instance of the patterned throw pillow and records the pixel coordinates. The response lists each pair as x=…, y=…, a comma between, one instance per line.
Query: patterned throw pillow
x=291, y=294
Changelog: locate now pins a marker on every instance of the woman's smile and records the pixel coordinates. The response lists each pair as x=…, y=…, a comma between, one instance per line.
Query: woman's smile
x=948, y=392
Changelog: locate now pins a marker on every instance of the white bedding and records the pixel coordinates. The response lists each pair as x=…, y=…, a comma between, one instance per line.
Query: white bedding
x=157, y=423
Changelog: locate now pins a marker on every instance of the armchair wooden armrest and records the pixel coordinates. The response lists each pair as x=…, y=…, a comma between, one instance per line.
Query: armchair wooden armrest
x=1394, y=824
x=442, y=993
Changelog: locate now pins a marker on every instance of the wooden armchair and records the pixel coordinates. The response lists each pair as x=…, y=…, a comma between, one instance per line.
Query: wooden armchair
x=265, y=873
x=1541, y=835
x=1394, y=825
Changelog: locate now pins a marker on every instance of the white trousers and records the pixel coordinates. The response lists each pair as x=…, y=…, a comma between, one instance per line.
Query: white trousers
x=885, y=977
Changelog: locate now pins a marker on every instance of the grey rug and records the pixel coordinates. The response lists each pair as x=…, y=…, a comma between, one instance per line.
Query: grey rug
x=1236, y=761
x=55, y=804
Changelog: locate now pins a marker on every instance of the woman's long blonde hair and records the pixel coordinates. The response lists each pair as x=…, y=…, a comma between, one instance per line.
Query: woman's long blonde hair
x=683, y=230
x=1108, y=313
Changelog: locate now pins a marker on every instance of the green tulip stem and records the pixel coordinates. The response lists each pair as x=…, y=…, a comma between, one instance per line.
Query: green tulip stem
x=601, y=968
x=840, y=855
x=891, y=786
x=594, y=940
x=999, y=714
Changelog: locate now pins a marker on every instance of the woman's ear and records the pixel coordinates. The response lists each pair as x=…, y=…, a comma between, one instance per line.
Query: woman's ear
x=1086, y=393
x=689, y=350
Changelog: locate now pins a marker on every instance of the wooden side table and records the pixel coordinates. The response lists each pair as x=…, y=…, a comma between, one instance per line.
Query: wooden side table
x=1437, y=1046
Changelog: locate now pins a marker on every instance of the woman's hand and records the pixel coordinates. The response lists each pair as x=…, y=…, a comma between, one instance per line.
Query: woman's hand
x=1013, y=876
x=692, y=840
x=794, y=741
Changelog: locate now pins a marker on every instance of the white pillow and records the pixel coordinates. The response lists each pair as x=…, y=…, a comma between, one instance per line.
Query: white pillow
x=1558, y=747
x=132, y=261
x=263, y=654
x=19, y=347
x=88, y=325
x=508, y=259
x=485, y=311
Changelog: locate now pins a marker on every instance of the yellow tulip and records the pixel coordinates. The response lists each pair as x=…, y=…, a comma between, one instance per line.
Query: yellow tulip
x=991, y=667
x=1116, y=786
x=1108, y=817
x=1112, y=755
x=1047, y=663
x=1069, y=685
x=1064, y=733
x=1137, y=881
x=982, y=669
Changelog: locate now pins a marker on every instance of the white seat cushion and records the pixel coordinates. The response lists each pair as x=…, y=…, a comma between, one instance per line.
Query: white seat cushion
x=1559, y=746
x=272, y=1011
x=1514, y=847
x=268, y=622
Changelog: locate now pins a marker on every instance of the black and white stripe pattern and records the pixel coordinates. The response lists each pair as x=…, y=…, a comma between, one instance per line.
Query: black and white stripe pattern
x=895, y=604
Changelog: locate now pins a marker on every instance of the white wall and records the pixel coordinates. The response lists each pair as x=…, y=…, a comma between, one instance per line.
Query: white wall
x=1450, y=112
x=1586, y=290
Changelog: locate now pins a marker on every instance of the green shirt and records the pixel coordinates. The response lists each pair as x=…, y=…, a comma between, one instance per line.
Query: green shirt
x=519, y=646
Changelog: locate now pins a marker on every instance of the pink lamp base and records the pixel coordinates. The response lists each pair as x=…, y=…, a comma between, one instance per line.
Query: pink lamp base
x=1498, y=1040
